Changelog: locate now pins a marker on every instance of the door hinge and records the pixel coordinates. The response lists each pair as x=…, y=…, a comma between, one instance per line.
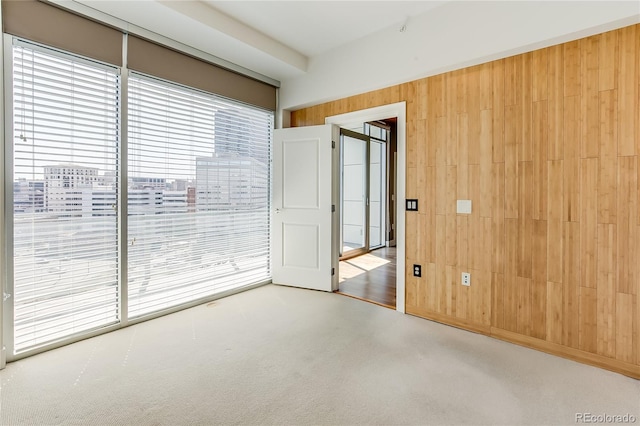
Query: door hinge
x=333, y=271
x=333, y=208
x=333, y=144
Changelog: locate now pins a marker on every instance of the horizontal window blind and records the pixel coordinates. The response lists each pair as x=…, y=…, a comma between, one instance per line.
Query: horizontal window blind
x=65, y=142
x=198, y=194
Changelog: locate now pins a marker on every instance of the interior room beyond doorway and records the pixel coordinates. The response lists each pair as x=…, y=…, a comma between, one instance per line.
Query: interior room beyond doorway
x=367, y=267
x=370, y=277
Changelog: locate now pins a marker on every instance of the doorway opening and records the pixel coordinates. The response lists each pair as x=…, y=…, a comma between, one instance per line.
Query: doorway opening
x=399, y=112
x=367, y=268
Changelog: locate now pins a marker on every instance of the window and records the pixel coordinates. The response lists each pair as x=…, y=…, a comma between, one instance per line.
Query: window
x=65, y=257
x=198, y=173
x=194, y=170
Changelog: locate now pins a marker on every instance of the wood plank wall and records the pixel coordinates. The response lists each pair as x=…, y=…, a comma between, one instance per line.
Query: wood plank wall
x=546, y=146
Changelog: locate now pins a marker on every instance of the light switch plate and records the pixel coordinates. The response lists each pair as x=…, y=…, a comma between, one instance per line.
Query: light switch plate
x=412, y=205
x=464, y=207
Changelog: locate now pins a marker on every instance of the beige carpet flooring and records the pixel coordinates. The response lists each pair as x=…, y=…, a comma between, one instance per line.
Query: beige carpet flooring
x=285, y=356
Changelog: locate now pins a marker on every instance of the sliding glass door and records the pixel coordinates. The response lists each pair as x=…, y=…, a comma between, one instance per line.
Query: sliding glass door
x=354, y=193
x=363, y=182
x=377, y=193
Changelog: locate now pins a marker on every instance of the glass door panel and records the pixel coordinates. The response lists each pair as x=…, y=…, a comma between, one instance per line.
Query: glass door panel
x=377, y=197
x=354, y=212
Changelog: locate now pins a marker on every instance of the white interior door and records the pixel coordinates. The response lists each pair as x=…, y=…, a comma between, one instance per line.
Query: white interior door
x=304, y=234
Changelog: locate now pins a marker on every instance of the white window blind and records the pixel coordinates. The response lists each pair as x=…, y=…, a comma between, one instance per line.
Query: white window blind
x=65, y=142
x=198, y=202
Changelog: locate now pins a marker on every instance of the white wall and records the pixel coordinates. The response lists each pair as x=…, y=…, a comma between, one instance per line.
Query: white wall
x=452, y=36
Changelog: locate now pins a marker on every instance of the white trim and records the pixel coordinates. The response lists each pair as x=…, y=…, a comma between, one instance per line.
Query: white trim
x=3, y=352
x=6, y=243
x=123, y=192
x=398, y=110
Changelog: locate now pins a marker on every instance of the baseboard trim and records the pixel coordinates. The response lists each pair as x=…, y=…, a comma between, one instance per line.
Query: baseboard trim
x=596, y=360
x=630, y=370
x=447, y=320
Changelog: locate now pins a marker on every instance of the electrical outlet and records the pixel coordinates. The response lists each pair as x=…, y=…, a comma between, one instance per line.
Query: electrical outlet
x=466, y=279
x=417, y=270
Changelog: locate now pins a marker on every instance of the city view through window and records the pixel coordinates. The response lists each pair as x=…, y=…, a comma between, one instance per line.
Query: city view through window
x=197, y=196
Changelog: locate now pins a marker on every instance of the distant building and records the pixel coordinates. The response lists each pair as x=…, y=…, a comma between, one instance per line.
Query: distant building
x=28, y=196
x=64, y=185
x=227, y=181
x=235, y=134
x=147, y=183
x=145, y=201
x=174, y=202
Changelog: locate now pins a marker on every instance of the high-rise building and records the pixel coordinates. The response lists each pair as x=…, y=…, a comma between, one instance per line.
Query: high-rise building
x=225, y=182
x=235, y=134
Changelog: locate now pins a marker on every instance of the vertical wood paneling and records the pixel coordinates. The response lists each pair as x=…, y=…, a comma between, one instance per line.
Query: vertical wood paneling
x=554, y=312
x=607, y=176
x=523, y=294
x=539, y=309
x=539, y=252
x=462, y=244
x=556, y=103
x=497, y=219
x=525, y=222
x=441, y=189
x=512, y=76
x=441, y=141
x=571, y=124
x=627, y=73
x=497, y=300
x=486, y=163
x=571, y=190
x=554, y=222
x=463, y=157
x=607, y=61
x=589, y=222
x=571, y=284
x=626, y=323
x=540, y=164
x=606, y=290
x=431, y=302
x=511, y=143
x=540, y=73
x=572, y=74
x=498, y=111
x=546, y=146
x=486, y=86
x=526, y=104
x=511, y=248
x=589, y=97
x=627, y=198
x=588, y=319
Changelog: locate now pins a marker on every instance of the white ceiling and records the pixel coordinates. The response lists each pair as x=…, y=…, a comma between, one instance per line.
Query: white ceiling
x=273, y=38
x=314, y=27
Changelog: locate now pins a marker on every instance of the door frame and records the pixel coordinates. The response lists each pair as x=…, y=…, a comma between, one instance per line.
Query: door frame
x=399, y=111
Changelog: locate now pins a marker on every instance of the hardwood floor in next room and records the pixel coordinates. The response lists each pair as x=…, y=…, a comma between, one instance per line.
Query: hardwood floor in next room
x=370, y=277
